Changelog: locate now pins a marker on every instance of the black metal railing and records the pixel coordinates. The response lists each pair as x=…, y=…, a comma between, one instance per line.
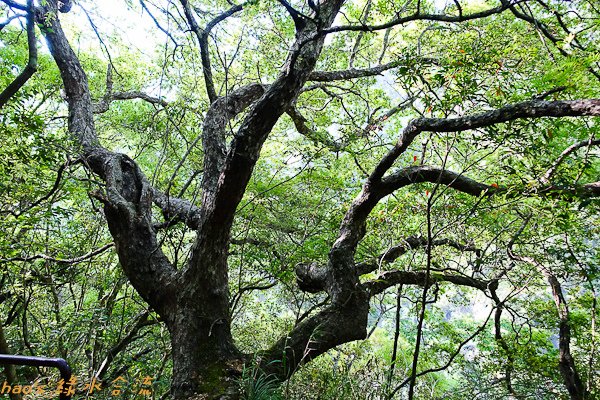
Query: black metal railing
x=63, y=367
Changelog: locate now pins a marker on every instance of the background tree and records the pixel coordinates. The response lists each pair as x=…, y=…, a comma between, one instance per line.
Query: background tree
x=302, y=151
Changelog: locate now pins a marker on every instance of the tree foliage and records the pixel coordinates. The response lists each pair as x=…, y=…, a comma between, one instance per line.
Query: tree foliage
x=303, y=200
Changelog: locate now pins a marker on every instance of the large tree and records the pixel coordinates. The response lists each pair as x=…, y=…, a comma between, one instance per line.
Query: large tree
x=236, y=116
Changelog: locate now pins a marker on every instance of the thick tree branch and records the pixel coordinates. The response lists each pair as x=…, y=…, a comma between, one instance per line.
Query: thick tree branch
x=354, y=223
x=176, y=210
x=204, y=281
x=298, y=18
x=461, y=183
x=421, y=17
x=393, y=278
x=312, y=277
x=419, y=174
x=221, y=111
x=314, y=336
x=526, y=109
x=341, y=323
x=9, y=19
x=223, y=16
x=341, y=274
x=139, y=95
x=410, y=243
x=128, y=197
x=109, y=96
x=16, y=5
x=32, y=62
x=354, y=73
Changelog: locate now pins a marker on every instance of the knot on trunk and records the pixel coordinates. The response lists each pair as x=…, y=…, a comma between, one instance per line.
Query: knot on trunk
x=311, y=277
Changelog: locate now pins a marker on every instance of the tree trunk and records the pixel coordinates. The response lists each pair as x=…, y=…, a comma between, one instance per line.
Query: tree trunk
x=205, y=361
x=204, y=355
